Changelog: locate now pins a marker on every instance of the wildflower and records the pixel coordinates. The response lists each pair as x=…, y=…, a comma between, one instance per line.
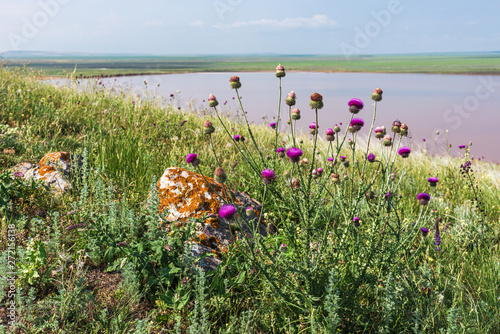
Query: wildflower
x=227, y=211
x=404, y=129
x=314, y=174
x=71, y=227
x=330, y=134
x=273, y=125
x=437, y=238
x=212, y=101
x=336, y=128
x=314, y=128
x=283, y=248
x=387, y=140
x=267, y=176
x=335, y=178
x=346, y=163
x=320, y=171
x=346, y=177
x=237, y=137
x=461, y=146
x=433, y=181
x=355, y=105
x=294, y=154
x=220, y=175
x=208, y=127
x=286, y=174
x=295, y=183
x=18, y=174
x=423, y=198
x=380, y=132
x=377, y=94
x=249, y=212
x=296, y=114
x=290, y=99
x=280, y=71
x=281, y=152
x=355, y=220
x=235, y=82
x=404, y=152
x=424, y=231
x=357, y=124
x=316, y=101
x=192, y=158
x=370, y=157
x=168, y=248
x=305, y=161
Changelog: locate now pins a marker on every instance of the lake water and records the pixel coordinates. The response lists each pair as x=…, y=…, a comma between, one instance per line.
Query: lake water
x=466, y=105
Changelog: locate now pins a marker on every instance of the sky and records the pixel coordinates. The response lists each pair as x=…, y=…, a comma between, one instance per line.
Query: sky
x=201, y=27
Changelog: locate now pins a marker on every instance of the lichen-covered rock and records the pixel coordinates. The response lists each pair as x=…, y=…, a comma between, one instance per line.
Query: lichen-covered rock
x=54, y=169
x=185, y=194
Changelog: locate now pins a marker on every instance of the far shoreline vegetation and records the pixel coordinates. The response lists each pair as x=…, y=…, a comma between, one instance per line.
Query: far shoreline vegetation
x=106, y=65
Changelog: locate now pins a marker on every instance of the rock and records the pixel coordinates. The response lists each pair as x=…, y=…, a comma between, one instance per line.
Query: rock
x=54, y=169
x=186, y=194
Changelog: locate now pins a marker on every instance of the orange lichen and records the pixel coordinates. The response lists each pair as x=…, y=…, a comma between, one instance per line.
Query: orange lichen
x=54, y=157
x=45, y=170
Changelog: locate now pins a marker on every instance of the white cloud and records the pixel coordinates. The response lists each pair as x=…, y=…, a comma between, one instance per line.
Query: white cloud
x=153, y=24
x=197, y=23
x=317, y=21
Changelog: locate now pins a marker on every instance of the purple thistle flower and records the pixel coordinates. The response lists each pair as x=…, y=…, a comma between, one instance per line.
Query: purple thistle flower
x=273, y=125
x=423, y=198
x=371, y=157
x=313, y=126
x=267, y=176
x=342, y=158
x=237, y=137
x=281, y=152
x=227, y=211
x=357, y=124
x=424, y=231
x=432, y=181
x=404, y=152
x=355, y=105
x=330, y=132
x=356, y=221
x=294, y=154
x=461, y=146
x=190, y=157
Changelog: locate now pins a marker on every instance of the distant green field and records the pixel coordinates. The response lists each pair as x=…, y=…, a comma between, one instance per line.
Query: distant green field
x=483, y=63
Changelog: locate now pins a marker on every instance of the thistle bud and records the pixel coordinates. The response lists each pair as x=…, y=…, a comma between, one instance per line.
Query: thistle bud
x=336, y=128
x=280, y=71
x=295, y=183
x=404, y=130
x=290, y=99
x=335, y=178
x=220, y=175
x=316, y=101
x=396, y=126
x=250, y=212
x=212, y=101
x=387, y=140
x=377, y=94
x=208, y=128
x=296, y=114
x=235, y=82
x=380, y=132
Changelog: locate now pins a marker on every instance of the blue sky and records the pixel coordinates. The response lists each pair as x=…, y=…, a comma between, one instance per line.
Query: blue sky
x=249, y=26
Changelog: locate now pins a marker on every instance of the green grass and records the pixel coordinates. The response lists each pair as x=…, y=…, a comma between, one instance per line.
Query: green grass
x=487, y=63
x=382, y=277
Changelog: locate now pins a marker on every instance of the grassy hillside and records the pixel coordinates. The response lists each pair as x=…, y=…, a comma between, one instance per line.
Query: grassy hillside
x=320, y=273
